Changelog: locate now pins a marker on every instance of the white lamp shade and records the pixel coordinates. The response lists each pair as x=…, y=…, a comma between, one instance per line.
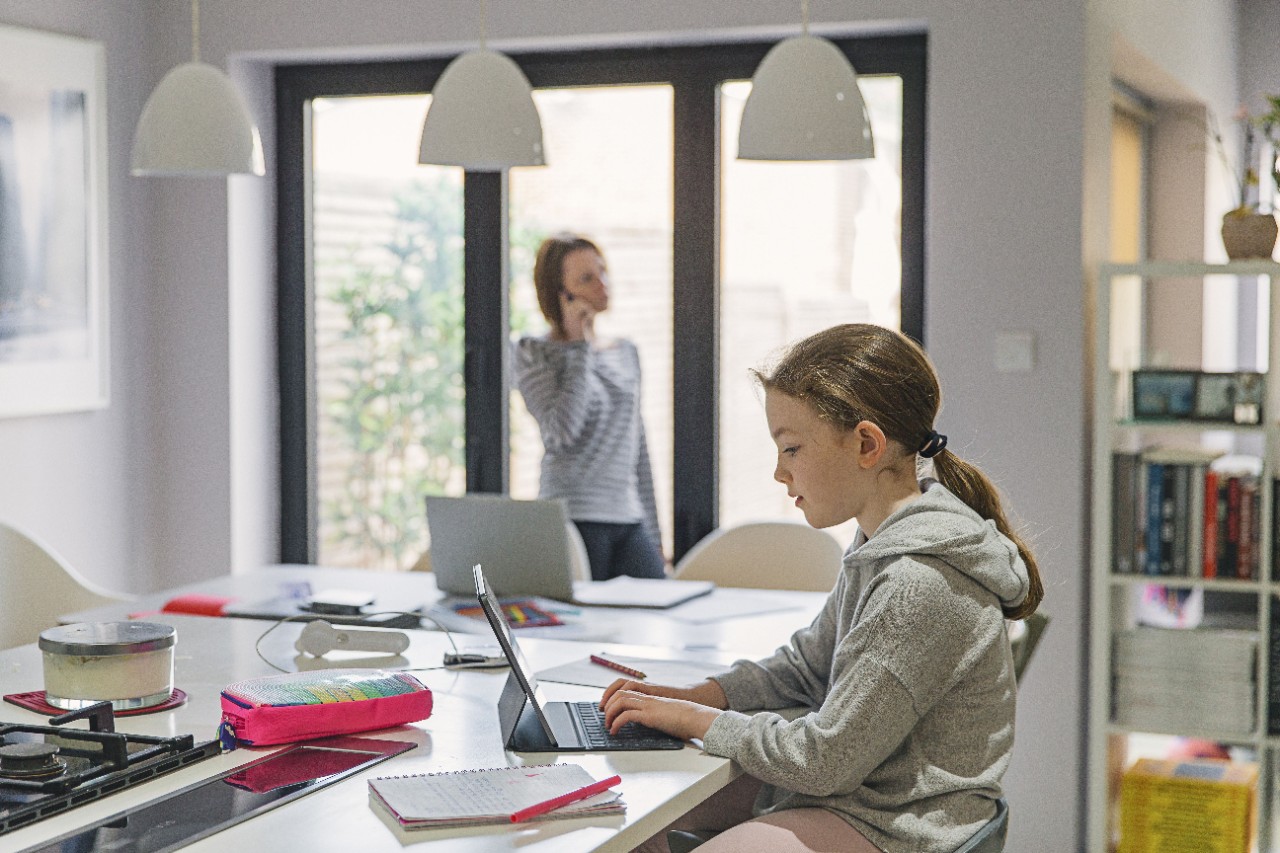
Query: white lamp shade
x=805, y=105
x=482, y=116
x=195, y=123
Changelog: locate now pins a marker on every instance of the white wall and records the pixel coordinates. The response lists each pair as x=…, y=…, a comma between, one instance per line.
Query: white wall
x=1260, y=64
x=84, y=481
x=176, y=480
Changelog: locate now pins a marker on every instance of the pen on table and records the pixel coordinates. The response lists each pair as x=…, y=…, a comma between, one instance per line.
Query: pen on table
x=625, y=670
x=564, y=799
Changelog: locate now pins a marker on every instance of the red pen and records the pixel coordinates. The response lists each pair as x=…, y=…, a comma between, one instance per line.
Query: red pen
x=564, y=799
x=625, y=670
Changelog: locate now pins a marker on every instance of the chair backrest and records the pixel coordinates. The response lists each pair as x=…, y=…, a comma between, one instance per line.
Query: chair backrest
x=765, y=555
x=990, y=839
x=1025, y=643
x=37, y=586
x=578, y=557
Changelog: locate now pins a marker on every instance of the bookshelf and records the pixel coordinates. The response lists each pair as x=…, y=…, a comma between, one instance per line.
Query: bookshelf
x=1114, y=740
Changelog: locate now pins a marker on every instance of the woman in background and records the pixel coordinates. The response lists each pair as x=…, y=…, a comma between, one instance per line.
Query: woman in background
x=584, y=392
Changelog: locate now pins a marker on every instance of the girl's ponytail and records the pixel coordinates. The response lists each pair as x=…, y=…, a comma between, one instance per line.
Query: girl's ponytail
x=970, y=485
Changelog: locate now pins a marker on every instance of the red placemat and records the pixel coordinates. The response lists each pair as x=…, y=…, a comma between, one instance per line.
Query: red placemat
x=34, y=701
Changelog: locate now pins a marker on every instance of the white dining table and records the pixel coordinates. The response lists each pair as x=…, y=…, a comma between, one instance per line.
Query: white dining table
x=461, y=733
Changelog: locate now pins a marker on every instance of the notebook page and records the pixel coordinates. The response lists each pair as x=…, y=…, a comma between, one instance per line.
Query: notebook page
x=477, y=795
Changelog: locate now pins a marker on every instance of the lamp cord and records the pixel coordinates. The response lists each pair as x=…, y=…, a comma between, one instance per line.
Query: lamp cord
x=195, y=30
x=804, y=17
x=484, y=23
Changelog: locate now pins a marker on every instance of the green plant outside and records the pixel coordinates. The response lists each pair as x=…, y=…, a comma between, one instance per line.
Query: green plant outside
x=398, y=405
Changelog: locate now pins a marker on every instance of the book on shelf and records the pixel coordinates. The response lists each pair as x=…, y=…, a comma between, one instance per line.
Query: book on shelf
x=1162, y=606
x=1273, y=659
x=1188, y=680
x=1186, y=512
x=1204, y=805
x=1275, y=534
x=490, y=796
x=1127, y=551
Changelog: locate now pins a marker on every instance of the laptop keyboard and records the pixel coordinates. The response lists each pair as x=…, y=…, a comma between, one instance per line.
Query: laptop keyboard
x=630, y=736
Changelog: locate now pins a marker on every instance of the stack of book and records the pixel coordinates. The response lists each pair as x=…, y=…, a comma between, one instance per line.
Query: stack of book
x=1200, y=806
x=1186, y=512
x=1188, y=681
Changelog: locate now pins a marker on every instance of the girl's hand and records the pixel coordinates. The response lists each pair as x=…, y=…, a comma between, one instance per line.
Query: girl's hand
x=706, y=692
x=686, y=712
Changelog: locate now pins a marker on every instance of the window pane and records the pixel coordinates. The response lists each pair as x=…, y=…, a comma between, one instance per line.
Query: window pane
x=803, y=246
x=387, y=259
x=609, y=177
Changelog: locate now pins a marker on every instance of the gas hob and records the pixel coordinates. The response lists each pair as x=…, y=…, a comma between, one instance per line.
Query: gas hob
x=46, y=770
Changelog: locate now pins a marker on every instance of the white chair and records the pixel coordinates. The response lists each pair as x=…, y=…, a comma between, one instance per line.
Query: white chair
x=765, y=555
x=36, y=586
x=579, y=560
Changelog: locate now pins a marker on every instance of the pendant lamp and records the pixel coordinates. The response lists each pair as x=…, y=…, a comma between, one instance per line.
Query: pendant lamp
x=482, y=116
x=805, y=104
x=196, y=123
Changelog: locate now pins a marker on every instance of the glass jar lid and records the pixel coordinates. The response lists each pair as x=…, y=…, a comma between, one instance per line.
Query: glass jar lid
x=101, y=639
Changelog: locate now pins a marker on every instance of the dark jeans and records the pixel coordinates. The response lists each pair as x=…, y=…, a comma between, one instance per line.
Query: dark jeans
x=621, y=549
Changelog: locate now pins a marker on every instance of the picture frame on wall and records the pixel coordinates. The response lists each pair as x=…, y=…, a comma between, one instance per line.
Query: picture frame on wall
x=53, y=224
x=1164, y=394
x=1234, y=398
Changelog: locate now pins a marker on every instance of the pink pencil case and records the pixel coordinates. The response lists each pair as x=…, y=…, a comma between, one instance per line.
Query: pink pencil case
x=305, y=705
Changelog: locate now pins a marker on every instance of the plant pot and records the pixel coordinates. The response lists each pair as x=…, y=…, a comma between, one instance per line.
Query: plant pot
x=1249, y=235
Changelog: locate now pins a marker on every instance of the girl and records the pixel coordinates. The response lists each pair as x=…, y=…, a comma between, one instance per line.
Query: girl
x=907, y=670
x=584, y=392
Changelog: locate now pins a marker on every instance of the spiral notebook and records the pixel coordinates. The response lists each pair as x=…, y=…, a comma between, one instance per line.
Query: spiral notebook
x=475, y=797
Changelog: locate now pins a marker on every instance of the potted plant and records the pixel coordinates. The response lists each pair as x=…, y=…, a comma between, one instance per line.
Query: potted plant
x=1246, y=231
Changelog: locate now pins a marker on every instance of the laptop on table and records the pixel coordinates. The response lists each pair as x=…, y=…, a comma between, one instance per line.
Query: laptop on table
x=527, y=548
x=529, y=723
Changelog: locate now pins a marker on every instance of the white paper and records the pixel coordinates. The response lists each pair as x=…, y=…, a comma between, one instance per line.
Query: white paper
x=674, y=672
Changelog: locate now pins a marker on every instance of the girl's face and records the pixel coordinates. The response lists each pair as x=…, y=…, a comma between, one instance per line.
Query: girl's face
x=585, y=277
x=816, y=462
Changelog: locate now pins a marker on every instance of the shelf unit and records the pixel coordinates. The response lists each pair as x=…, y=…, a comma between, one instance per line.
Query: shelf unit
x=1112, y=594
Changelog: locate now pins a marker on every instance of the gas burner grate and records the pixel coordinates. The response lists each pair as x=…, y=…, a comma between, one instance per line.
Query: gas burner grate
x=48, y=769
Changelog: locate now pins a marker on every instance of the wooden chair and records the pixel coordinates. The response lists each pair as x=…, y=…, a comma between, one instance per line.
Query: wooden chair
x=765, y=555
x=37, y=585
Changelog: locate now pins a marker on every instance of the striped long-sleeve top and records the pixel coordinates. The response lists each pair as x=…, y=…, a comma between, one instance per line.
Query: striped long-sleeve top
x=587, y=405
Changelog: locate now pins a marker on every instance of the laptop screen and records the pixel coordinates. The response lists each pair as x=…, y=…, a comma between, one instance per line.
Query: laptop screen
x=524, y=545
x=511, y=704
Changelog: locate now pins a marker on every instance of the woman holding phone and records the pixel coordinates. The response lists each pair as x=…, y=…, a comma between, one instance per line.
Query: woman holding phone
x=584, y=391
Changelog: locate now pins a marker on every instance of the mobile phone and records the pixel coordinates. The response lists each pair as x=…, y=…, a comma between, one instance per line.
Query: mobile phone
x=477, y=658
x=341, y=602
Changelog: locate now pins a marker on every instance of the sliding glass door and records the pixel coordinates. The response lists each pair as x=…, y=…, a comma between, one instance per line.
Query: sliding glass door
x=401, y=285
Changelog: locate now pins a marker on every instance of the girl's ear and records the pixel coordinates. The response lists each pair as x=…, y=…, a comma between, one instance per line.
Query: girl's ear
x=871, y=443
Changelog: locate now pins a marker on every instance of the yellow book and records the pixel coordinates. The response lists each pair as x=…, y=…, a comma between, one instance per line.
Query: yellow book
x=1198, y=806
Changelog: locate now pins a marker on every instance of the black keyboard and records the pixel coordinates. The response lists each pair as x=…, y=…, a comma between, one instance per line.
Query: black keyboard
x=630, y=736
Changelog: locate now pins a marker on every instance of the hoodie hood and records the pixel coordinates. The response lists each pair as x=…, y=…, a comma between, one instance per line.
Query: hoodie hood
x=941, y=526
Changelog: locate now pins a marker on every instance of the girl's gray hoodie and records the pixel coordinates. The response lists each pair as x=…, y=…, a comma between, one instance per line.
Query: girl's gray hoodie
x=909, y=673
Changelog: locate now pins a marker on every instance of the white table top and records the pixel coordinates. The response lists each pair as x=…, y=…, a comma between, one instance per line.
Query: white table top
x=764, y=620
x=462, y=732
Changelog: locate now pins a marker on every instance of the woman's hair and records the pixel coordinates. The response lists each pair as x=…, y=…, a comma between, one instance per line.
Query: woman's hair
x=548, y=272
x=856, y=372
